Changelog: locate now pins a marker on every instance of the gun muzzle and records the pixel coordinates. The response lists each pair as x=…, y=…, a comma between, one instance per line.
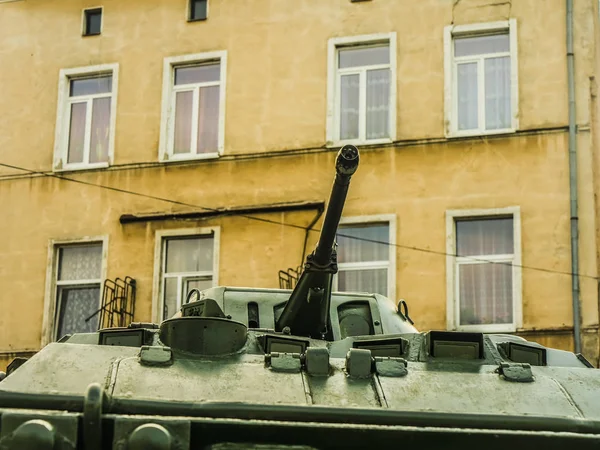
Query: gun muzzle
x=346, y=162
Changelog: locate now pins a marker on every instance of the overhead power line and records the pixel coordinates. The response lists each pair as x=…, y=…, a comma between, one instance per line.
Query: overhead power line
x=316, y=230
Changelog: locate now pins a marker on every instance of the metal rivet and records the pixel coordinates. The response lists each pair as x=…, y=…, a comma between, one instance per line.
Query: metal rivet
x=150, y=436
x=34, y=434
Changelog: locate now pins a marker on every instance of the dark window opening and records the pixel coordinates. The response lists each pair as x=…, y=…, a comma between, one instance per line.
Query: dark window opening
x=93, y=21
x=253, y=321
x=198, y=10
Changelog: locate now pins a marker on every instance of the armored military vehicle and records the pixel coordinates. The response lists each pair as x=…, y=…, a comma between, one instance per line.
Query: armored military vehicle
x=303, y=369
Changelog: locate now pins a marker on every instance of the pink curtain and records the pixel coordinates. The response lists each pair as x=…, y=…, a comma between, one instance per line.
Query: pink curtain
x=208, y=120
x=183, y=122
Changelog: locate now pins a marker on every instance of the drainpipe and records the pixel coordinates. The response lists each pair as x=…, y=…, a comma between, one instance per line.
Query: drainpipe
x=573, y=183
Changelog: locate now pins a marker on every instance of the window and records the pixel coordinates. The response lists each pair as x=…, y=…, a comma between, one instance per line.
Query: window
x=486, y=276
x=186, y=262
x=86, y=117
x=365, y=257
x=193, y=106
x=78, y=278
x=481, y=78
x=92, y=21
x=198, y=10
x=362, y=89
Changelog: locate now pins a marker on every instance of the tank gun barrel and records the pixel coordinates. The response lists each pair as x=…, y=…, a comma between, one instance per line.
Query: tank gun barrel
x=346, y=164
x=307, y=310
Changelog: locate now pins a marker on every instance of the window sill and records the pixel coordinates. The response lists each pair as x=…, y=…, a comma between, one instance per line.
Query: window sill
x=76, y=167
x=467, y=133
x=189, y=157
x=360, y=142
x=491, y=328
x=197, y=20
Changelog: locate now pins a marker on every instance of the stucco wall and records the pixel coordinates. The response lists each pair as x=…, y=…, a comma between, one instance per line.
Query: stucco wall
x=277, y=58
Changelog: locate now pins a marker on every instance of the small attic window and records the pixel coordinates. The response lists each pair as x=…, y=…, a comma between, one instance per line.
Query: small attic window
x=92, y=21
x=198, y=10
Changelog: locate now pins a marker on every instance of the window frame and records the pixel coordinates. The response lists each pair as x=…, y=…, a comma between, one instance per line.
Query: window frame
x=167, y=111
x=188, y=13
x=390, y=219
x=161, y=237
x=452, y=262
x=333, y=86
x=49, y=322
x=84, y=20
x=450, y=78
x=61, y=142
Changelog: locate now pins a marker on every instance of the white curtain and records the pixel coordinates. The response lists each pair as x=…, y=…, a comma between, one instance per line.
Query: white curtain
x=497, y=93
x=208, y=120
x=99, y=108
x=100, y=130
x=485, y=289
x=77, y=132
x=189, y=255
x=378, y=103
x=467, y=96
x=350, y=87
x=76, y=303
x=183, y=122
x=80, y=262
x=364, y=280
x=485, y=293
x=363, y=250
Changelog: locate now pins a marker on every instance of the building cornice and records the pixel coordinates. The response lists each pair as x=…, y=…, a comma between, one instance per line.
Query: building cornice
x=235, y=157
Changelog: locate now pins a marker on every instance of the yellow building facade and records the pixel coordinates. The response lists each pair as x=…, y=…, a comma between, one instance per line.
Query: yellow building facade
x=191, y=143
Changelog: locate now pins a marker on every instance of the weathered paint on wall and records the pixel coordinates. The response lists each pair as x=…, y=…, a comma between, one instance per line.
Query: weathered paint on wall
x=274, y=148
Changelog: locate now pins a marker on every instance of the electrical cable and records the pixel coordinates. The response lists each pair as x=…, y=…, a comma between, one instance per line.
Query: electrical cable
x=316, y=230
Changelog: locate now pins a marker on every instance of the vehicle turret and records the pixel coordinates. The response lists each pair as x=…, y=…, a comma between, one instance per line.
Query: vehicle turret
x=307, y=311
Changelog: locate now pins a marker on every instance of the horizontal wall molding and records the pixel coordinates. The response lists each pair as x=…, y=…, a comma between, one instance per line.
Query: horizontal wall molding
x=291, y=152
x=17, y=353
x=553, y=331
x=234, y=211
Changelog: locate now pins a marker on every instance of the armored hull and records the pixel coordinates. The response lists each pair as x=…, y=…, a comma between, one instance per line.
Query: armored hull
x=211, y=382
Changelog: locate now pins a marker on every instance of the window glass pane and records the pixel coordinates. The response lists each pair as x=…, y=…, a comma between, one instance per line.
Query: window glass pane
x=363, y=56
x=195, y=283
x=365, y=280
x=170, y=299
x=378, y=103
x=355, y=250
x=497, y=93
x=100, y=130
x=198, y=9
x=76, y=305
x=349, y=93
x=90, y=86
x=478, y=45
x=183, y=122
x=76, y=133
x=197, y=74
x=93, y=21
x=484, y=237
x=467, y=96
x=208, y=120
x=485, y=293
x=80, y=262
x=189, y=255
